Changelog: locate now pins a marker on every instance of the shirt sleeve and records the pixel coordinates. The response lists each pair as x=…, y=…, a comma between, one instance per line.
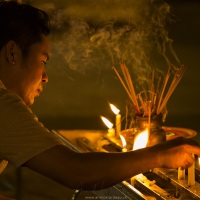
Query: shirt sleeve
x=22, y=137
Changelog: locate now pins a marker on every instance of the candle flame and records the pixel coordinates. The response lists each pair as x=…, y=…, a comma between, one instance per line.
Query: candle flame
x=107, y=122
x=141, y=140
x=199, y=161
x=114, y=109
x=123, y=141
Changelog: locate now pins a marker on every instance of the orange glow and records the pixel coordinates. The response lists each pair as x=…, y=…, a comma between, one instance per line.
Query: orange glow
x=107, y=122
x=199, y=161
x=114, y=109
x=141, y=140
x=123, y=141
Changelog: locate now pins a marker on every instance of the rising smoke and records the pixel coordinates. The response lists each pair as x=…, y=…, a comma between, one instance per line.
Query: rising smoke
x=97, y=35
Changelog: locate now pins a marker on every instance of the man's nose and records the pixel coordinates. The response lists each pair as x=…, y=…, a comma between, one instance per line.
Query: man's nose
x=45, y=78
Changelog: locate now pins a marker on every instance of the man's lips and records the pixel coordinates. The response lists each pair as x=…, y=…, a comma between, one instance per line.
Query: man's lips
x=39, y=91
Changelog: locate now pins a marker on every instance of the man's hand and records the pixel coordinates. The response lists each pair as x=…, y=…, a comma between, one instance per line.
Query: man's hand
x=177, y=153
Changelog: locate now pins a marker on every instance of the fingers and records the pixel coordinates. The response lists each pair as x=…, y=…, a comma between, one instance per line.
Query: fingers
x=191, y=147
x=177, y=153
x=185, y=166
x=193, y=150
x=188, y=161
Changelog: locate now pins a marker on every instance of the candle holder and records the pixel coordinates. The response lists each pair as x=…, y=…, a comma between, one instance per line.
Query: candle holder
x=154, y=126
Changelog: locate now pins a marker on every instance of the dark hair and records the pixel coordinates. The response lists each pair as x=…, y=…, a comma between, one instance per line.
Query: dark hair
x=22, y=23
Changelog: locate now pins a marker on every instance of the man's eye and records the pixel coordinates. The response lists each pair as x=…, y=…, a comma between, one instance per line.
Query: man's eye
x=44, y=62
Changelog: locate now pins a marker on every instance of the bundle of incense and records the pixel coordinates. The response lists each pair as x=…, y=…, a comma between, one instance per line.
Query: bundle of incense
x=158, y=98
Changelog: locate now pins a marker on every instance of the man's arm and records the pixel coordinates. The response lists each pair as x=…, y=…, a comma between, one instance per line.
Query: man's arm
x=98, y=170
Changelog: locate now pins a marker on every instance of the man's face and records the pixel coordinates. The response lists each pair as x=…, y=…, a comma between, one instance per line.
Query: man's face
x=31, y=74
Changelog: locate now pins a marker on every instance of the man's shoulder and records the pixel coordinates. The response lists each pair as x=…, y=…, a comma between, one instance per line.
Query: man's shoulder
x=7, y=97
x=11, y=103
x=5, y=93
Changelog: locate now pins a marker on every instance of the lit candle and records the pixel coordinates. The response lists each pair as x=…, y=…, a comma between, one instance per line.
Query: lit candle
x=191, y=174
x=118, y=119
x=124, y=149
x=111, y=131
x=140, y=142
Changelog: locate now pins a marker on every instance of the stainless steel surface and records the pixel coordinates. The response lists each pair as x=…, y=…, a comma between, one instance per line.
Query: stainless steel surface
x=171, y=174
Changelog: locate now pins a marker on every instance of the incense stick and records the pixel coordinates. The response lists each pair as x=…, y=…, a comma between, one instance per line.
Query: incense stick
x=124, y=85
x=163, y=89
x=177, y=77
x=128, y=86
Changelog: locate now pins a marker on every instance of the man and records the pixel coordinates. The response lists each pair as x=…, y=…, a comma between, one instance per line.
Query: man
x=24, y=50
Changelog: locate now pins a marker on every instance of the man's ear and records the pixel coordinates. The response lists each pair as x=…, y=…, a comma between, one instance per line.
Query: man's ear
x=10, y=52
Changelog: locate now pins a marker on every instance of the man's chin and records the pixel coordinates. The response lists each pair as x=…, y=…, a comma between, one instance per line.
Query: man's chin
x=29, y=102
